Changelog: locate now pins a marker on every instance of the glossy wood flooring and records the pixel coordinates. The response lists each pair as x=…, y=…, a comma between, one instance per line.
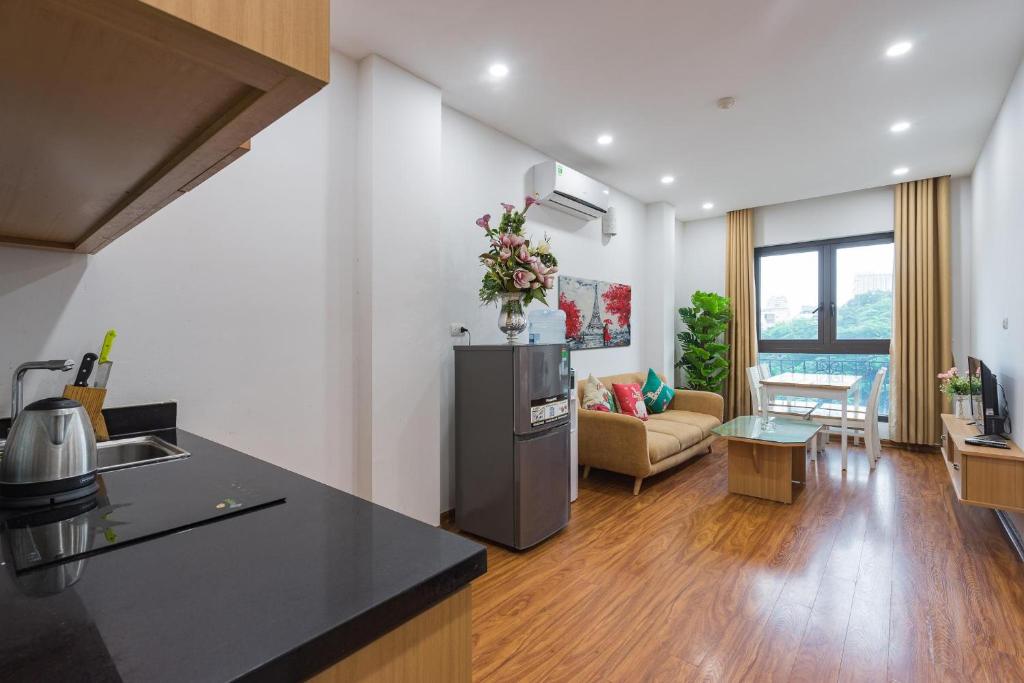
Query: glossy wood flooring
x=868, y=577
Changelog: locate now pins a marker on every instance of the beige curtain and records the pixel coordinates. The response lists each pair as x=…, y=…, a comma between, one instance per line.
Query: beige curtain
x=922, y=309
x=739, y=287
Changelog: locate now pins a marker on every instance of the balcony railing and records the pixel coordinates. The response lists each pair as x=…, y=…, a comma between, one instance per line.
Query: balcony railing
x=863, y=365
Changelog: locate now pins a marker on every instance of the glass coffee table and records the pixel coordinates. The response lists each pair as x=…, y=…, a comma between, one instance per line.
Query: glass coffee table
x=767, y=455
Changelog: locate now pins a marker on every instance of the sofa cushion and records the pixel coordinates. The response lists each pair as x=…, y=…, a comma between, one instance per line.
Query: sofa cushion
x=701, y=420
x=686, y=434
x=661, y=445
x=657, y=393
x=629, y=400
x=596, y=396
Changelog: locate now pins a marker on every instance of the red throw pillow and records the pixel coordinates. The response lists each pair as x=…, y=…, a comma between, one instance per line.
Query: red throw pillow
x=631, y=400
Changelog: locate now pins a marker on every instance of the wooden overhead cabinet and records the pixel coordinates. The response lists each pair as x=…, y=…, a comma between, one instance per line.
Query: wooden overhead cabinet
x=111, y=109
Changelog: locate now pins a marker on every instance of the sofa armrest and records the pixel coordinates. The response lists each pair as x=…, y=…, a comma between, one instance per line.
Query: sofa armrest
x=699, y=402
x=610, y=441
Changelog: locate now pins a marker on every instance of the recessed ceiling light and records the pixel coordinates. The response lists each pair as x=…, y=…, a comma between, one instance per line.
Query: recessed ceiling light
x=498, y=70
x=604, y=139
x=899, y=49
x=900, y=170
x=707, y=206
x=900, y=126
x=667, y=179
x=606, y=191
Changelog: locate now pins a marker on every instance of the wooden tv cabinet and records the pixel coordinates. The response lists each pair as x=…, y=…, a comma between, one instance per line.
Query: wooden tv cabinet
x=987, y=477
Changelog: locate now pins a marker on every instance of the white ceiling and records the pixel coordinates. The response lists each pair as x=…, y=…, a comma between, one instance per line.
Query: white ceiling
x=815, y=95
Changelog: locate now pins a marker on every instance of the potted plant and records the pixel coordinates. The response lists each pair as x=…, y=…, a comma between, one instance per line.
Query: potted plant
x=959, y=389
x=705, y=357
x=516, y=270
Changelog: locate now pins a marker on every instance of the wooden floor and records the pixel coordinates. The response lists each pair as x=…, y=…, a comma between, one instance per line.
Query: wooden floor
x=877, y=576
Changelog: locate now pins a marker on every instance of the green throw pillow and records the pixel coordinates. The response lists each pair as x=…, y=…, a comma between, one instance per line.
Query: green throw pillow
x=657, y=394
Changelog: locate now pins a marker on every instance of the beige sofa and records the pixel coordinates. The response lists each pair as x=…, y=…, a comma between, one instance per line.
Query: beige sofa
x=624, y=444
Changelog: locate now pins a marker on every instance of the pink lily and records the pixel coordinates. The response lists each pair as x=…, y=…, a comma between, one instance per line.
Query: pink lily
x=522, y=278
x=508, y=207
x=484, y=221
x=505, y=254
x=523, y=254
x=530, y=201
x=516, y=240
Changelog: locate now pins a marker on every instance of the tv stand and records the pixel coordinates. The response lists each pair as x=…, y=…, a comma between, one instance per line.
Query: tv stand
x=984, y=476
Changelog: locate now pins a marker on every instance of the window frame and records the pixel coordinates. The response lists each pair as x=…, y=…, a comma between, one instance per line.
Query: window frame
x=827, y=309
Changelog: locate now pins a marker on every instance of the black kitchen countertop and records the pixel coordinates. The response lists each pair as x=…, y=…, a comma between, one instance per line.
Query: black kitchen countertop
x=277, y=593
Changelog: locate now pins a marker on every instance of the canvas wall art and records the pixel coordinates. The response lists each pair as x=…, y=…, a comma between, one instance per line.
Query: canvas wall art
x=597, y=314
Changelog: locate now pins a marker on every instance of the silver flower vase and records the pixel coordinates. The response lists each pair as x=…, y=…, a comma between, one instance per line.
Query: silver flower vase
x=511, y=317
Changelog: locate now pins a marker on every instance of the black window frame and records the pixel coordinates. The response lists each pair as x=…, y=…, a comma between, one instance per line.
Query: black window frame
x=826, y=341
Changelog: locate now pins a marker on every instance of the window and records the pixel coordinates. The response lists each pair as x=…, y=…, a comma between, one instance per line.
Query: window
x=833, y=296
x=827, y=307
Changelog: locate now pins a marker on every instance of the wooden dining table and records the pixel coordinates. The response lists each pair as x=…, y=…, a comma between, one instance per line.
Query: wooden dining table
x=813, y=385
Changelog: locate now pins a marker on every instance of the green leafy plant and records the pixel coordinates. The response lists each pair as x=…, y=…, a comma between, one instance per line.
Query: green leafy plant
x=705, y=357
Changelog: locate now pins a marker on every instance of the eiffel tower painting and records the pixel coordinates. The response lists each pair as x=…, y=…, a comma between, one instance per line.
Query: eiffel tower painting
x=597, y=314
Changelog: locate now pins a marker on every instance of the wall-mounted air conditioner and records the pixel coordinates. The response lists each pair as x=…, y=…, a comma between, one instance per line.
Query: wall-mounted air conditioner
x=558, y=186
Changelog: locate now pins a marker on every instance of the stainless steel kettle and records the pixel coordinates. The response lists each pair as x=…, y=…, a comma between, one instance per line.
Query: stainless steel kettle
x=50, y=455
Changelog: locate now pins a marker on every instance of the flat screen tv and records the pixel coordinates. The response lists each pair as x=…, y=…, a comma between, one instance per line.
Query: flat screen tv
x=983, y=383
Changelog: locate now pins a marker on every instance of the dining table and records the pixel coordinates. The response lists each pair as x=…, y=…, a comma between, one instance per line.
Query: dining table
x=818, y=385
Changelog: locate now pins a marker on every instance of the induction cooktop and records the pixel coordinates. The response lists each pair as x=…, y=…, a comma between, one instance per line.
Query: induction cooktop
x=131, y=506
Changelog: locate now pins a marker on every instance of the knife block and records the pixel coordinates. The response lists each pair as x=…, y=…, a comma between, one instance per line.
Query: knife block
x=91, y=399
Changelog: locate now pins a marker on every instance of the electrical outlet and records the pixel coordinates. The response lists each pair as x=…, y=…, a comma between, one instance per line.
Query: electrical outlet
x=455, y=329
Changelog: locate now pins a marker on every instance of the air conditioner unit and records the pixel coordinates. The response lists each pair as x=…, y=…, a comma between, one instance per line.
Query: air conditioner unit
x=558, y=186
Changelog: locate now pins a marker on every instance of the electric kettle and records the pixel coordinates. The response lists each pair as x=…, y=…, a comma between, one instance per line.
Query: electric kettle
x=50, y=455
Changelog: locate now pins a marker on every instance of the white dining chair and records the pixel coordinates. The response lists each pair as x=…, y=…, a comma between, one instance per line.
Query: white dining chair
x=863, y=419
x=756, y=393
x=872, y=440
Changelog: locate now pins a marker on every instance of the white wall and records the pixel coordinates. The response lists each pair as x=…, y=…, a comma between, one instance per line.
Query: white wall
x=961, y=219
x=399, y=288
x=481, y=168
x=700, y=265
x=659, y=267
x=235, y=300
x=839, y=215
x=997, y=251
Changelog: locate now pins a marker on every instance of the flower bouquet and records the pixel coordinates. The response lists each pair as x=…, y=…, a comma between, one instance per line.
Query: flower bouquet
x=517, y=271
x=960, y=389
x=514, y=265
x=951, y=383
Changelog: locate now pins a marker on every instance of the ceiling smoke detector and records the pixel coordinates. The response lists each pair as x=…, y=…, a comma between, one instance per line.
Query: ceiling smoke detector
x=726, y=102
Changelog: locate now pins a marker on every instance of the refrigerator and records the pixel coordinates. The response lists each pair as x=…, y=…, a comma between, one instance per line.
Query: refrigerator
x=512, y=429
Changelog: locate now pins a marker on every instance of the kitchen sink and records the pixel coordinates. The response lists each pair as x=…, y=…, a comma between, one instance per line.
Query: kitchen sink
x=136, y=451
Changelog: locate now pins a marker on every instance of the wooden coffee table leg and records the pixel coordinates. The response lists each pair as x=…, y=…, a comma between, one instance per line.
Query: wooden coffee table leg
x=761, y=470
x=800, y=463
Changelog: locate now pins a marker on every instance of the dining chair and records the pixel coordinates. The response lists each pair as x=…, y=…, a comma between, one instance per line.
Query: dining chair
x=754, y=384
x=872, y=440
x=864, y=419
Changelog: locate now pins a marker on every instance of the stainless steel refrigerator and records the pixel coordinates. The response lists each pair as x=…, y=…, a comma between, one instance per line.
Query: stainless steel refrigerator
x=512, y=441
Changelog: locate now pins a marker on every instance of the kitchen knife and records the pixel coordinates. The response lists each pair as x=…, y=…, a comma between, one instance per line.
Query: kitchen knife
x=108, y=341
x=103, y=375
x=85, y=369
x=103, y=372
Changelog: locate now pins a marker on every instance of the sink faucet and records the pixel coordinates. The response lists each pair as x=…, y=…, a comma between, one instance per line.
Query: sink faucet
x=19, y=375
